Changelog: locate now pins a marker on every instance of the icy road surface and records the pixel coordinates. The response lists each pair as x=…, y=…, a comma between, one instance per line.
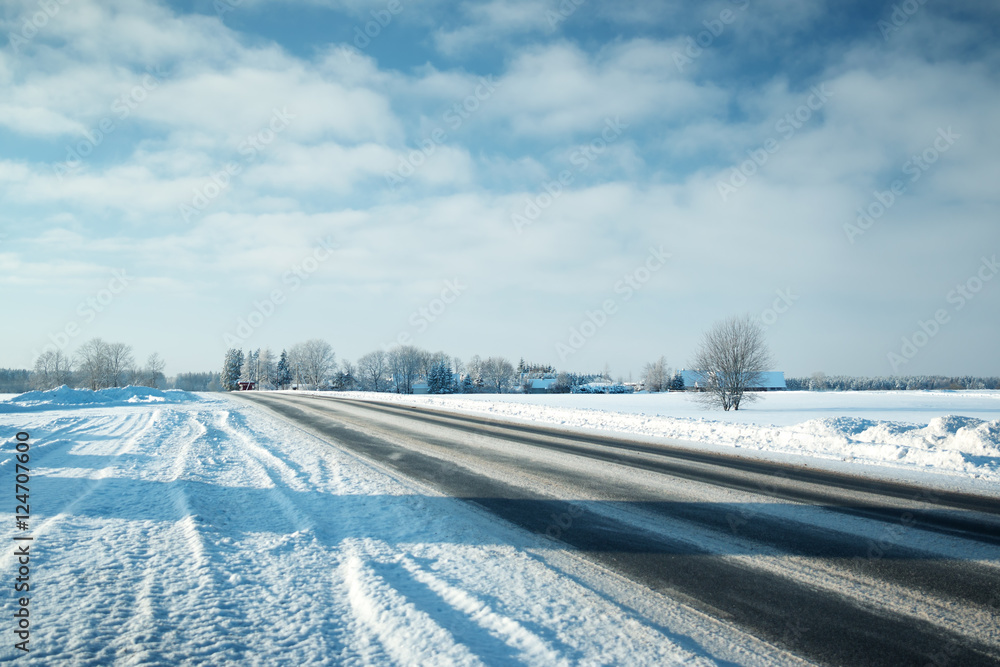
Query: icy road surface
x=201, y=531
x=945, y=439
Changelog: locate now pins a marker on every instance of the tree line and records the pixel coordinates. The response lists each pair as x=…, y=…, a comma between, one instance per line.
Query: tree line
x=731, y=359
x=822, y=382
x=97, y=364
x=313, y=364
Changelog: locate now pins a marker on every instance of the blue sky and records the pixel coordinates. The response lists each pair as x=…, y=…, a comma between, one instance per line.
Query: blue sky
x=576, y=184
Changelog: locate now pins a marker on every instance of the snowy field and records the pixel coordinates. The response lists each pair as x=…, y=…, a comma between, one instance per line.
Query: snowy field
x=950, y=439
x=171, y=528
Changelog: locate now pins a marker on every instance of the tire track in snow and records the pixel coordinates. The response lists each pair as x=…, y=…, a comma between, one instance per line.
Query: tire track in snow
x=255, y=455
x=323, y=471
x=94, y=483
x=255, y=567
x=310, y=562
x=128, y=622
x=405, y=608
x=213, y=619
x=507, y=636
x=43, y=442
x=71, y=534
x=137, y=642
x=529, y=647
x=405, y=635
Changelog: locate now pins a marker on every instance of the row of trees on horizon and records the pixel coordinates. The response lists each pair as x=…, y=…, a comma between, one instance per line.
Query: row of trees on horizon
x=731, y=362
x=99, y=364
x=96, y=364
x=313, y=364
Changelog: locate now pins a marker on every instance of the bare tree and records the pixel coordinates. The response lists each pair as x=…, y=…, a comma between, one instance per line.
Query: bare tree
x=732, y=359
x=347, y=378
x=91, y=361
x=151, y=375
x=818, y=381
x=474, y=369
x=656, y=375
x=52, y=369
x=120, y=364
x=103, y=365
x=497, y=373
x=313, y=361
x=295, y=364
x=405, y=363
x=373, y=368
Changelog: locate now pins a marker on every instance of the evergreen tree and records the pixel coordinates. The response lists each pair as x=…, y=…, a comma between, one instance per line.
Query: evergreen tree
x=677, y=382
x=249, y=371
x=467, y=384
x=231, y=368
x=439, y=380
x=283, y=373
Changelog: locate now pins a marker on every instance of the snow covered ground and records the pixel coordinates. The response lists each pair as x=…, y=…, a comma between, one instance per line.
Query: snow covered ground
x=171, y=528
x=950, y=439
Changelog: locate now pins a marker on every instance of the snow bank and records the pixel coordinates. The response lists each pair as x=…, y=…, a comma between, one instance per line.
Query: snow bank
x=963, y=445
x=66, y=397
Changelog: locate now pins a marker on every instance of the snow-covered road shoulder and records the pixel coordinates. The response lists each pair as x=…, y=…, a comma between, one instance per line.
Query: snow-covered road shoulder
x=943, y=439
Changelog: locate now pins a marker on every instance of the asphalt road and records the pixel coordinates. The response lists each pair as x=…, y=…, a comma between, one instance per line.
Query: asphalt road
x=835, y=569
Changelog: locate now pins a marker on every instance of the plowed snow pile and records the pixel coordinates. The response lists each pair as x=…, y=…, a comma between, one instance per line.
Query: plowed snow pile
x=66, y=397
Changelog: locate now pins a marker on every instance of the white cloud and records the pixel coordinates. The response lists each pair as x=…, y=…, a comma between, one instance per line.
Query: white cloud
x=37, y=121
x=324, y=167
x=559, y=89
x=493, y=22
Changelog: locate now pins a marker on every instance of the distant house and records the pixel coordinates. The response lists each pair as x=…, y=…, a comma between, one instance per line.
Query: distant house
x=541, y=385
x=770, y=381
x=247, y=386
